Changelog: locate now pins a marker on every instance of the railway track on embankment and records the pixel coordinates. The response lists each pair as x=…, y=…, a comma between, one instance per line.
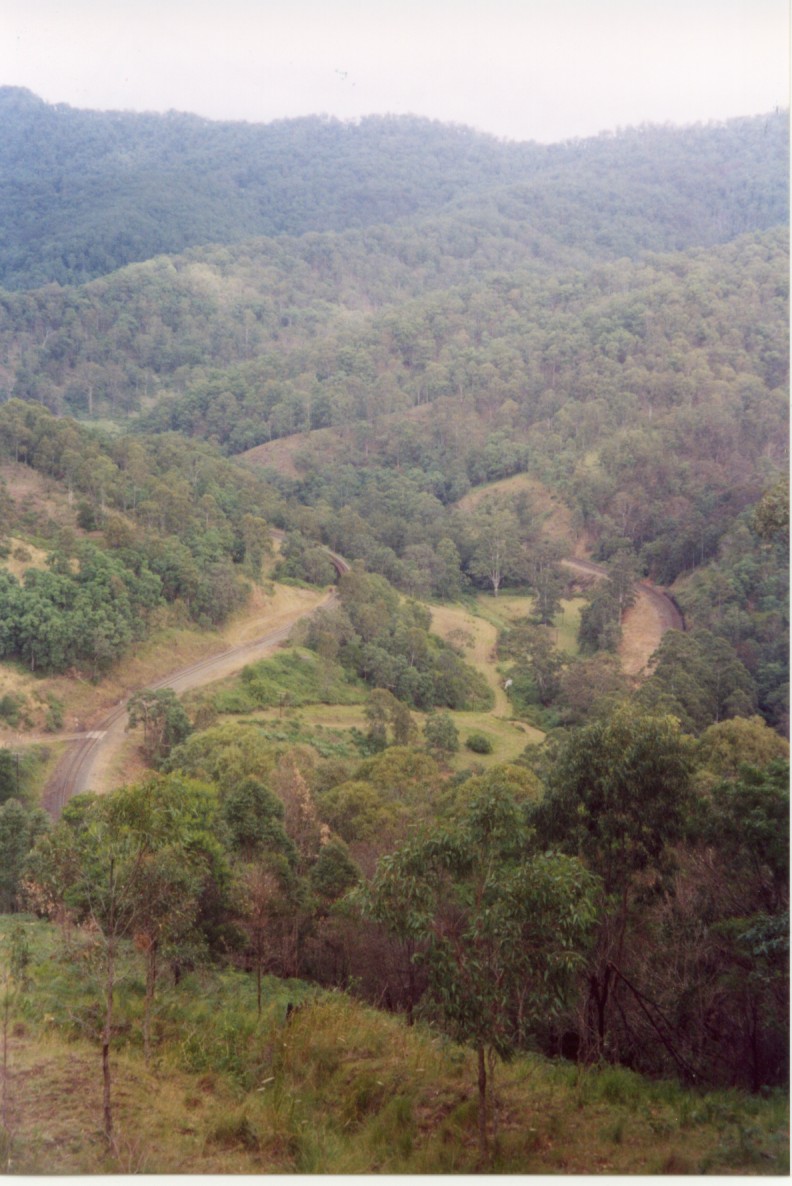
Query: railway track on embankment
x=644, y=624
x=89, y=754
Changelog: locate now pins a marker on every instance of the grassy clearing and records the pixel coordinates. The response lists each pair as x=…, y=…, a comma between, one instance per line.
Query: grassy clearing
x=557, y=518
x=476, y=639
x=304, y=702
x=22, y=556
x=509, y=738
x=506, y=609
x=333, y=729
x=567, y=624
x=334, y=1088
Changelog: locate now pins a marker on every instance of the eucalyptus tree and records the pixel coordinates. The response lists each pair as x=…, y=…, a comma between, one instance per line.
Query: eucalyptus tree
x=133, y=866
x=499, y=926
x=618, y=796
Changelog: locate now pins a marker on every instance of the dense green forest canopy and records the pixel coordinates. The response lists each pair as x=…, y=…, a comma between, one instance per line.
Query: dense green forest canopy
x=83, y=193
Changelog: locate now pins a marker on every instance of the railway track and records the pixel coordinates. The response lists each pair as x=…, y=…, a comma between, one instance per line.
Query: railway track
x=78, y=766
x=664, y=606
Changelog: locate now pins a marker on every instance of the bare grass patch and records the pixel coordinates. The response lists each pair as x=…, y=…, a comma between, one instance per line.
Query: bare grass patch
x=642, y=632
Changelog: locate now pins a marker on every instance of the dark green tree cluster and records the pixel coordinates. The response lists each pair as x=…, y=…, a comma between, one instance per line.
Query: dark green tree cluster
x=742, y=599
x=177, y=524
x=673, y=958
x=83, y=617
x=386, y=641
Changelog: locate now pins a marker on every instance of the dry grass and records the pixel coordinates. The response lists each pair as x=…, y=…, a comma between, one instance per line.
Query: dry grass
x=23, y=556
x=268, y=608
x=15, y=680
x=557, y=517
x=281, y=454
x=38, y=497
x=642, y=632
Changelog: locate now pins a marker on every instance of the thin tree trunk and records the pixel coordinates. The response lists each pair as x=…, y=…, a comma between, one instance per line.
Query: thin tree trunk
x=151, y=986
x=492, y=1097
x=482, y=1105
x=107, y=1106
x=6, y=1011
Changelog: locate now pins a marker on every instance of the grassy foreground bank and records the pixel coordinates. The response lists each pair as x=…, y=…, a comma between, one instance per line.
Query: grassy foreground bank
x=327, y=1086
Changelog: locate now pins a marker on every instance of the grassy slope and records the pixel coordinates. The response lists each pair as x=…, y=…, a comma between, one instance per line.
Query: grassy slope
x=478, y=639
x=339, y=1088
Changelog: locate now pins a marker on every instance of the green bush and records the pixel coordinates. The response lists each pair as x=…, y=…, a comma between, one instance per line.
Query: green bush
x=10, y=706
x=479, y=743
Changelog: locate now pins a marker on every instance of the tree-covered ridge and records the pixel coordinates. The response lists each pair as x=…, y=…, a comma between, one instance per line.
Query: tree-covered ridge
x=651, y=396
x=266, y=341
x=83, y=193
x=170, y=523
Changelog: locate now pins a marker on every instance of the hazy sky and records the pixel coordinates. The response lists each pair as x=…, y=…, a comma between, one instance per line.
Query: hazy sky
x=525, y=69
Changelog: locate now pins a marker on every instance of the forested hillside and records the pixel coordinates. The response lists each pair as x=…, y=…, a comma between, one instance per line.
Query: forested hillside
x=83, y=192
x=500, y=397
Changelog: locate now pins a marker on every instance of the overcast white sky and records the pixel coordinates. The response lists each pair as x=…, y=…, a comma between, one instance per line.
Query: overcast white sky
x=524, y=69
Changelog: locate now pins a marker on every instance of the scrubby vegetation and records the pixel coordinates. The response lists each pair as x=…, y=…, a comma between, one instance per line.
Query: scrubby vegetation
x=318, y=1083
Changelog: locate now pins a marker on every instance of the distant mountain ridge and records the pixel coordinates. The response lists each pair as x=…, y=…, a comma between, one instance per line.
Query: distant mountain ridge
x=83, y=193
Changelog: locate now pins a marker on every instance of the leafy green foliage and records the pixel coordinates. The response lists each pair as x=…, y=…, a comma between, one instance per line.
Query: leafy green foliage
x=618, y=792
x=478, y=743
x=253, y=816
x=700, y=679
x=21, y=825
x=334, y=872
x=387, y=643
x=500, y=928
x=165, y=723
x=440, y=733
x=292, y=678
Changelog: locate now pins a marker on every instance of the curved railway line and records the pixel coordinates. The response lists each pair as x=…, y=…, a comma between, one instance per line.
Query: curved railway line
x=667, y=610
x=75, y=769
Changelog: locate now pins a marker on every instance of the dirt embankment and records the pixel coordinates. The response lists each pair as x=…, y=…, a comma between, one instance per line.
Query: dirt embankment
x=643, y=624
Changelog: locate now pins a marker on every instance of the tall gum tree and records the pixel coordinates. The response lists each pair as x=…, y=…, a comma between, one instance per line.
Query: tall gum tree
x=618, y=796
x=499, y=927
